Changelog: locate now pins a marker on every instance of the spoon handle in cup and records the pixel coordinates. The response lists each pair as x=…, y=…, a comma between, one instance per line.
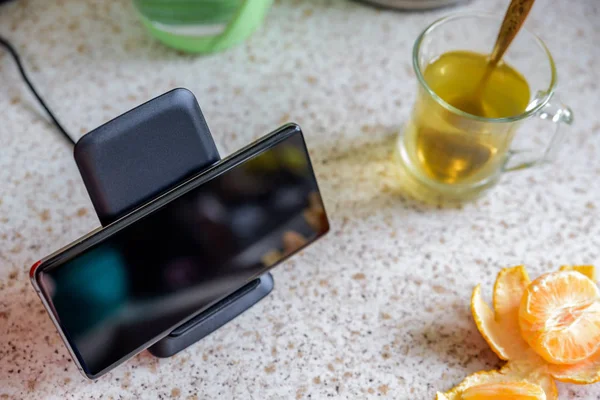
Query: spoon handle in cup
x=513, y=20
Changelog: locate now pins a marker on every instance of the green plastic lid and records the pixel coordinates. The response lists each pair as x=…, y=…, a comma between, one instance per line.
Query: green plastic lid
x=202, y=26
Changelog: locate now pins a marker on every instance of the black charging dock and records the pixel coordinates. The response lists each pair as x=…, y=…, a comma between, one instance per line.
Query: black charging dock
x=139, y=155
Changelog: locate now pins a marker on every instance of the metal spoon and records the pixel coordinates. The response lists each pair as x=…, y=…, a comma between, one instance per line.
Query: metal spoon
x=513, y=21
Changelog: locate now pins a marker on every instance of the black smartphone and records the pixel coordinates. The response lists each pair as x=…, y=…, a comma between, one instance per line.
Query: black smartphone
x=120, y=289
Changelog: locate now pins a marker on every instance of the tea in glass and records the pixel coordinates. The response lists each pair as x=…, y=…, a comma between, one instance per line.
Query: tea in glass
x=447, y=149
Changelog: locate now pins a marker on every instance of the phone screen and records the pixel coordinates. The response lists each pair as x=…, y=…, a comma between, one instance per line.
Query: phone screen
x=115, y=297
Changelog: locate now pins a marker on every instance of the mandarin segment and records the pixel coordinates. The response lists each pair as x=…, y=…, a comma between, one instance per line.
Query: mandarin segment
x=559, y=317
x=504, y=391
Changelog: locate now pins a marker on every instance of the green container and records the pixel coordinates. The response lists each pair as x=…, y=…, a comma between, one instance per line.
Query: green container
x=202, y=26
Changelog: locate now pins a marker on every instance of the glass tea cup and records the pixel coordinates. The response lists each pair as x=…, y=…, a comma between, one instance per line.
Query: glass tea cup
x=447, y=153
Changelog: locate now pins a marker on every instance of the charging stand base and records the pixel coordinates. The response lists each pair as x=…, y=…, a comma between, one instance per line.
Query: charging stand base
x=161, y=143
x=214, y=318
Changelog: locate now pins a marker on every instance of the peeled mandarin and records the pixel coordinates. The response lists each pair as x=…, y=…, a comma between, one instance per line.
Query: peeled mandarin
x=559, y=317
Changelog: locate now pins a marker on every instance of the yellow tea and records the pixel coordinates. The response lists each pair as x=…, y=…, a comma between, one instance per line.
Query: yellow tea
x=453, y=149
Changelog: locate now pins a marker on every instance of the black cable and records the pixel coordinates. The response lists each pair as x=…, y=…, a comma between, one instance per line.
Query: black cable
x=11, y=50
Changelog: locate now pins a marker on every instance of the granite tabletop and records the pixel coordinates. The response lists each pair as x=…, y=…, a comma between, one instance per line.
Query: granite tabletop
x=379, y=307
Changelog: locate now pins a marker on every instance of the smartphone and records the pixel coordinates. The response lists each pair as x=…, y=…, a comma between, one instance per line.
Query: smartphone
x=120, y=289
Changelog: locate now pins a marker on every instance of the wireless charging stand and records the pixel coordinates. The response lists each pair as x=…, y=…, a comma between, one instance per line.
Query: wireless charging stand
x=140, y=154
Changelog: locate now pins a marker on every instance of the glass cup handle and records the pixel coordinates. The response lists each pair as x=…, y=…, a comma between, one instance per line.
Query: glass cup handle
x=556, y=112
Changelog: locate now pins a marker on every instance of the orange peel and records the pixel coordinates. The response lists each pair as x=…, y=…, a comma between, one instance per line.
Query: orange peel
x=507, y=375
x=582, y=373
x=587, y=270
x=570, y=297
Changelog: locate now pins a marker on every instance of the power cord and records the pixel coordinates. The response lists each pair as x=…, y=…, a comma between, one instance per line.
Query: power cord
x=11, y=50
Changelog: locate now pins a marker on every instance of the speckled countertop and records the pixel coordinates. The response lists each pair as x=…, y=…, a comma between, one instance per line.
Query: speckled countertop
x=379, y=308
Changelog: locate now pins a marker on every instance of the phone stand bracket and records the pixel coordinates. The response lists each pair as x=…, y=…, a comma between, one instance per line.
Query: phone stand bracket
x=140, y=154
